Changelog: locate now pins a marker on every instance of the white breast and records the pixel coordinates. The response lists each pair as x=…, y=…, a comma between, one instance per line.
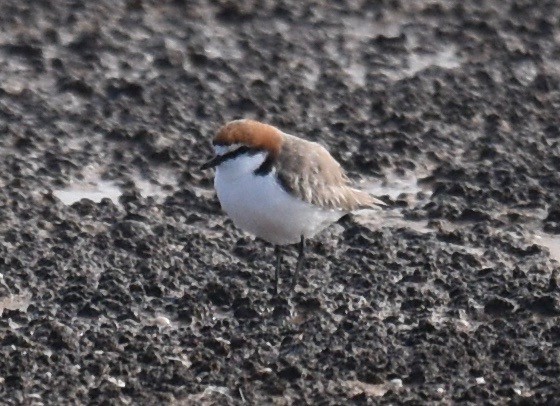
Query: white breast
x=259, y=205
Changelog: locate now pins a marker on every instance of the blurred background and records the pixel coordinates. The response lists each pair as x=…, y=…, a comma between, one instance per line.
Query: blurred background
x=122, y=282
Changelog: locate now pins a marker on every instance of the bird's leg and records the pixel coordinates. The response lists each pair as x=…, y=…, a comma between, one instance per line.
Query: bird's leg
x=278, y=252
x=299, y=263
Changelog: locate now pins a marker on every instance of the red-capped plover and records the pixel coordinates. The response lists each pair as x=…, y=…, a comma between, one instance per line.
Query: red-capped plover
x=279, y=187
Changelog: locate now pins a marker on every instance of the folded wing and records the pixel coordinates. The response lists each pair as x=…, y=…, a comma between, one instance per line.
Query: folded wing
x=307, y=170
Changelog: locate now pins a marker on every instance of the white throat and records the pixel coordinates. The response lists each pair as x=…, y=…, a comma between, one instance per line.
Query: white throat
x=241, y=165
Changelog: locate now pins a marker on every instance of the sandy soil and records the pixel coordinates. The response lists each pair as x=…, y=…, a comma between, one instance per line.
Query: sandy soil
x=122, y=282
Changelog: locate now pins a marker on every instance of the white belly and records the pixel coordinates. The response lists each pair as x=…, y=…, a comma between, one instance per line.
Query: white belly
x=259, y=205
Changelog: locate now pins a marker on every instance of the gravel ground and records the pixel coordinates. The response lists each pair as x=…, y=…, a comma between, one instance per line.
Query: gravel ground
x=144, y=292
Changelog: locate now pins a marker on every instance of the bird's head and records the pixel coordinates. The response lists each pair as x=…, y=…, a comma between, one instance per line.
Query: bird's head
x=248, y=137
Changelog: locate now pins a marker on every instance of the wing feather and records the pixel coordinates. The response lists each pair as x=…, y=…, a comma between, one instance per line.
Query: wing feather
x=307, y=170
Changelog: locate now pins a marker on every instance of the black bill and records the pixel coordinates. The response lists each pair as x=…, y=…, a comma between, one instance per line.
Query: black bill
x=212, y=163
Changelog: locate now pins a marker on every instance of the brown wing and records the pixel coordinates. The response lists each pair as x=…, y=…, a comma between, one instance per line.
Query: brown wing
x=307, y=170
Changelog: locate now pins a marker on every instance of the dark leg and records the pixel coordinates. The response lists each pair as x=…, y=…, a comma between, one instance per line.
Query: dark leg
x=278, y=252
x=299, y=263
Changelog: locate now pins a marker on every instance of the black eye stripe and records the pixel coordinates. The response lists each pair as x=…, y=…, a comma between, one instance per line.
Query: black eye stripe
x=237, y=152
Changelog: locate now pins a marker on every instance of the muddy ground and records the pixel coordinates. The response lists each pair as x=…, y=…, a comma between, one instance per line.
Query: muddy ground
x=144, y=292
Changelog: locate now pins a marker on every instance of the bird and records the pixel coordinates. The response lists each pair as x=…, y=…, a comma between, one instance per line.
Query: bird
x=279, y=187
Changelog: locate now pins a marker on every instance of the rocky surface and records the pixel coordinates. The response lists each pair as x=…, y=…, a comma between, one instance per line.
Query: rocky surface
x=144, y=292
